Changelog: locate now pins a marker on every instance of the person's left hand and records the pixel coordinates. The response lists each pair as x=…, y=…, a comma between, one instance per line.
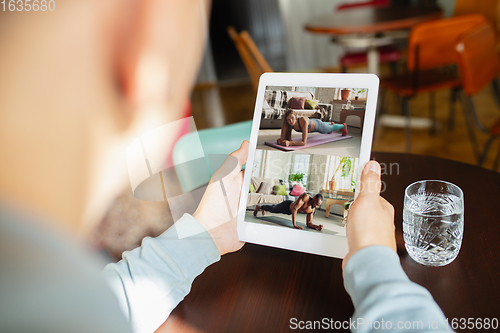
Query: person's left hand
x=286, y=143
x=214, y=206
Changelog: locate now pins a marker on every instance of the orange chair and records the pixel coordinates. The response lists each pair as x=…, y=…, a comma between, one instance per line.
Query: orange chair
x=488, y=8
x=479, y=66
x=431, y=50
x=253, y=60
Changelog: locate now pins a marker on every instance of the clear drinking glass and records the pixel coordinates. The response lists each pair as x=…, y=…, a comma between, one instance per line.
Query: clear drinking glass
x=433, y=221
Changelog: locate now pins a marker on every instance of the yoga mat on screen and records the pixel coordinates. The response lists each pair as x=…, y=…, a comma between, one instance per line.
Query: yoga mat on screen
x=312, y=140
x=284, y=222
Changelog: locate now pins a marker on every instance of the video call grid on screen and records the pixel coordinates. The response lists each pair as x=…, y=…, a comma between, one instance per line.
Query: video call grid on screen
x=290, y=161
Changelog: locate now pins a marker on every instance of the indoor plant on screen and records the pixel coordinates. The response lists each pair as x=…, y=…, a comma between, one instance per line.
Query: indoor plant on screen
x=345, y=165
x=357, y=92
x=297, y=177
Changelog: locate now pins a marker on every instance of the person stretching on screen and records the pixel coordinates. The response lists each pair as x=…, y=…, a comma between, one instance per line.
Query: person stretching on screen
x=305, y=125
x=304, y=204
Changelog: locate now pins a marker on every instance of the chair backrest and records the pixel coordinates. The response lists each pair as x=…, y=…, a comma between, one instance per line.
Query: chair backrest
x=253, y=60
x=432, y=44
x=372, y=3
x=477, y=58
x=488, y=8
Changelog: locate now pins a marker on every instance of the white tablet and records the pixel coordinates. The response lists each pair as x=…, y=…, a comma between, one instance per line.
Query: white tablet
x=311, y=136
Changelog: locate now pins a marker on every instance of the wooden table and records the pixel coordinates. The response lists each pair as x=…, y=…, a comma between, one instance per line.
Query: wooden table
x=334, y=201
x=365, y=23
x=258, y=289
x=339, y=198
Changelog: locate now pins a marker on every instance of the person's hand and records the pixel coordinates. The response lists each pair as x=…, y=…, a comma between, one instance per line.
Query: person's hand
x=279, y=141
x=371, y=218
x=286, y=143
x=214, y=207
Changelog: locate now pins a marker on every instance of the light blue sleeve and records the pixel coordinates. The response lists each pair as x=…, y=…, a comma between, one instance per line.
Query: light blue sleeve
x=382, y=294
x=152, y=279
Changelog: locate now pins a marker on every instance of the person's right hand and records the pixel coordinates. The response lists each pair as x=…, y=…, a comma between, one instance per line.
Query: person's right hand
x=371, y=218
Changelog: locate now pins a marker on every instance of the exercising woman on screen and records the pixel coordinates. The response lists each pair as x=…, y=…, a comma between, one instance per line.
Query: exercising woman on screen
x=291, y=120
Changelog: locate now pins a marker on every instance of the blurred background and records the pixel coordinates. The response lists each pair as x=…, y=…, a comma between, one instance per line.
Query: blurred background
x=224, y=95
x=336, y=36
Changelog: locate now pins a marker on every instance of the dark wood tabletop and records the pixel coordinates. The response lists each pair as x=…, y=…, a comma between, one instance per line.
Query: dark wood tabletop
x=372, y=20
x=259, y=289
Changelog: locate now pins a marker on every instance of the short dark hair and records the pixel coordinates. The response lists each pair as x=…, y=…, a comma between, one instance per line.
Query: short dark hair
x=319, y=196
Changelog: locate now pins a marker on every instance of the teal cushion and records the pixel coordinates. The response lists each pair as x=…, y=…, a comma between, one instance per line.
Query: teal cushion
x=217, y=144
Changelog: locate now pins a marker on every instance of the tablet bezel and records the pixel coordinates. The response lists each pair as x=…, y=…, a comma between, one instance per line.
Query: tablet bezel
x=293, y=239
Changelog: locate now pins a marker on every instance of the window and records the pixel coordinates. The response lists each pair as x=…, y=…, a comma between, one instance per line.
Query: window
x=343, y=171
x=306, y=89
x=257, y=163
x=301, y=165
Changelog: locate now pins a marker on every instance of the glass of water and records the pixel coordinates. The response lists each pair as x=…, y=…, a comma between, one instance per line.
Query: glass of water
x=433, y=221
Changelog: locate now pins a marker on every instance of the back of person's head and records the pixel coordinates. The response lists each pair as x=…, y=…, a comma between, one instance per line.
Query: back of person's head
x=80, y=82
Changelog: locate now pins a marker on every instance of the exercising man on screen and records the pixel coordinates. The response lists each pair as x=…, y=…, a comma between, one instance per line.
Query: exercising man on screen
x=304, y=204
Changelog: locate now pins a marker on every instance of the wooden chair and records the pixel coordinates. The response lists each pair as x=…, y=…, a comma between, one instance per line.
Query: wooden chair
x=479, y=66
x=431, y=50
x=253, y=60
x=387, y=54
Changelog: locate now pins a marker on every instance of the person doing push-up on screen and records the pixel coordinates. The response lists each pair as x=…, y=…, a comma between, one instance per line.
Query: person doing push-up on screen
x=304, y=204
x=305, y=125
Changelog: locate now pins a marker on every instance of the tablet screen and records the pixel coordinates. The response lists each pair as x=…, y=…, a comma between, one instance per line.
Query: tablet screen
x=306, y=158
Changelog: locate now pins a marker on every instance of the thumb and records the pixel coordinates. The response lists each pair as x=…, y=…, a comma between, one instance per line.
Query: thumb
x=233, y=163
x=370, y=179
x=241, y=154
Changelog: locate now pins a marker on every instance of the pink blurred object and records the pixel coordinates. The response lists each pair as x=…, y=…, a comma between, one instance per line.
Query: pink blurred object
x=185, y=130
x=297, y=190
x=386, y=53
x=187, y=113
x=373, y=3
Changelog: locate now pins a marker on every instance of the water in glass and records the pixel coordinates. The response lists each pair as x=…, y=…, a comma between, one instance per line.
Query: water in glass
x=433, y=222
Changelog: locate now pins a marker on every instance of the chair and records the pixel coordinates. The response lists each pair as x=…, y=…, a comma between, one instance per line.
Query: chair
x=253, y=60
x=431, y=48
x=479, y=66
x=490, y=10
x=387, y=53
